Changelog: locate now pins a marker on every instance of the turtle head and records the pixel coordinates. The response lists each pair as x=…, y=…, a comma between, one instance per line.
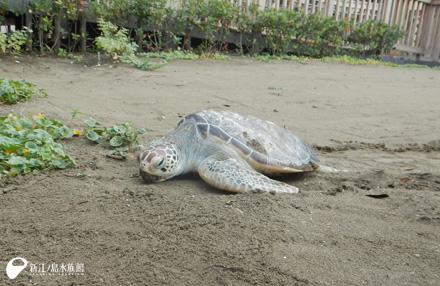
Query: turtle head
x=159, y=162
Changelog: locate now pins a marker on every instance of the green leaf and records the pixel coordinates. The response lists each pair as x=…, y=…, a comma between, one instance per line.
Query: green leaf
x=116, y=141
x=42, y=121
x=17, y=161
x=33, y=136
x=141, y=131
x=65, y=132
x=15, y=170
x=119, y=129
x=31, y=145
x=40, y=151
x=43, y=135
x=59, y=163
x=92, y=135
x=24, y=123
x=3, y=170
x=90, y=122
x=59, y=151
x=8, y=142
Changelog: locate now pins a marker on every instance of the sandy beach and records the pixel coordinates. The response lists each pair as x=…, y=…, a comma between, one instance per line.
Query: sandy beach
x=378, y=223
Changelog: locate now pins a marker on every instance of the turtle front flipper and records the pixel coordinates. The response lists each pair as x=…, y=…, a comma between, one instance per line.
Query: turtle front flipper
x=231, y=176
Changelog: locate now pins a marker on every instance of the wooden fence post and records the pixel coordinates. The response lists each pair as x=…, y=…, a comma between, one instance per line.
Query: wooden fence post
x=435, y=30
x=83, y=34
x=28, y=19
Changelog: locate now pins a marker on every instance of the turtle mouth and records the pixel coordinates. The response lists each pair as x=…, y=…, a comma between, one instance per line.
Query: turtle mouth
x=150, y=178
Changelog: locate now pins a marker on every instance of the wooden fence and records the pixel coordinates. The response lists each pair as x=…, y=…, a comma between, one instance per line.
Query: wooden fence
x=359, y=10
x=420, y=18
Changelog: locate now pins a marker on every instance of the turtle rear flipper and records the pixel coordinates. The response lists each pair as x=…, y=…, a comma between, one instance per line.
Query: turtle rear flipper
x=231, y=176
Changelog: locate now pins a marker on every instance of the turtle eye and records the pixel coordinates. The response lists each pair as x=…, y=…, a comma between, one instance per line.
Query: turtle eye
x=158, y=162
x=161, y=162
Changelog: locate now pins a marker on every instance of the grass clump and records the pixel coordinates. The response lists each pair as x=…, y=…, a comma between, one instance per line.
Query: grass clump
x=360, y=61
x=173, y=55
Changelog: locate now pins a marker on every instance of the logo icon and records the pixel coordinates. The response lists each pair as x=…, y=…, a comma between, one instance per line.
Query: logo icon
x=13, y=270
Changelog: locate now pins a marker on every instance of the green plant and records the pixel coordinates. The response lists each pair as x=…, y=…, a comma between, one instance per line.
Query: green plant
x=120, y=137
x=318, y=36
x=74, y=40
x=13, y=91
x=75, y=112
x=14, y=41
x=373, y=36
x=5, y=7
x=48, y=17
x=113, y=11
x=17, y=39
x=148, y=12
x=141, y=63
x=3, y=39
x=216, y=18
x=29, y=144
x=42, y=20
x=333, y=36
x=251, y=22
x=279, y=26
x=115, y=41
x=61, y=53
x=156, y=27
x=183, y=20
x=64, y=54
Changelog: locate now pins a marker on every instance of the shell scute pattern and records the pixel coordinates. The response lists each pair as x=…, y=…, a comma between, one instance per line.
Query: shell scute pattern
x=240, y=147
x=218, y=134
x=254, y=139
x=203, y=130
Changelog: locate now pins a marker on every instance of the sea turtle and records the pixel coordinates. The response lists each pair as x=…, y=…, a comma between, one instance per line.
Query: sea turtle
x=230, y=151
